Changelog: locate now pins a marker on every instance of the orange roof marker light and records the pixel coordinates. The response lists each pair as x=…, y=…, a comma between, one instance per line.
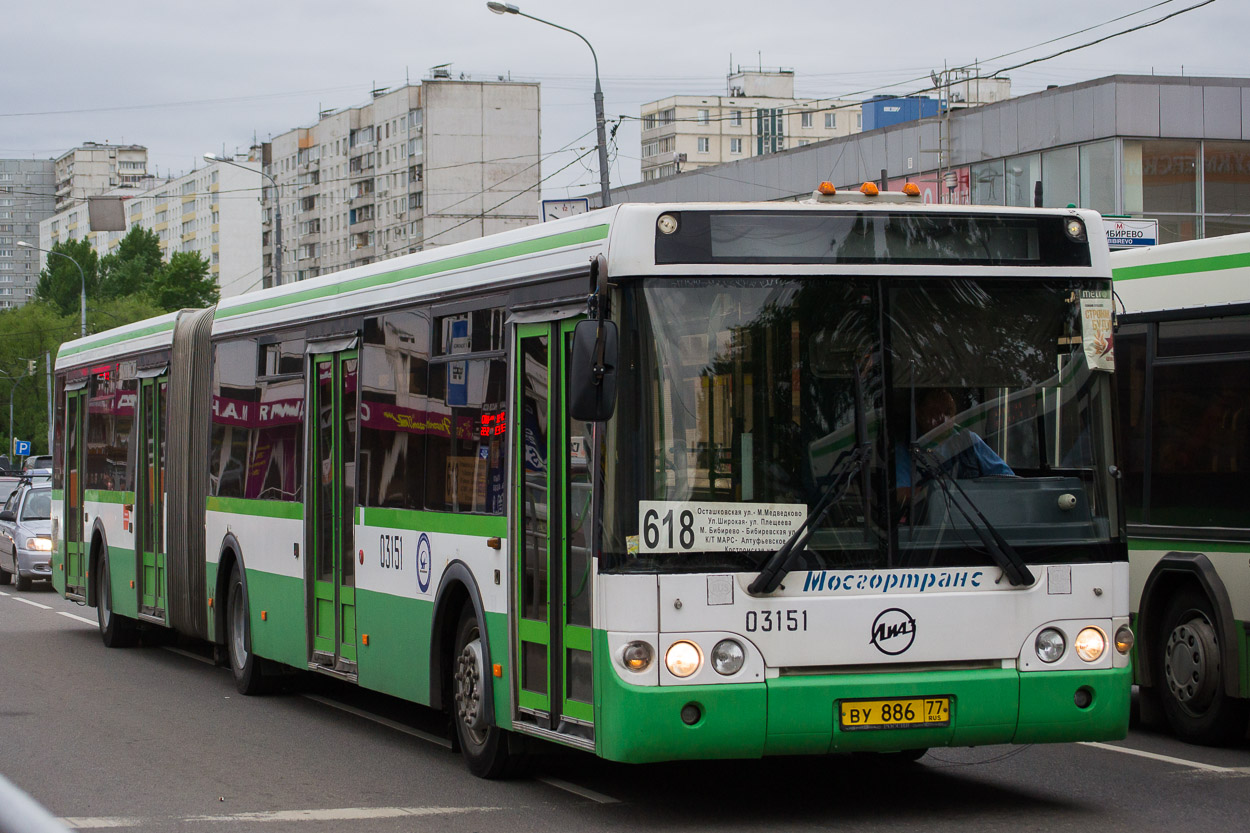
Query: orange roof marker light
x=826, y=188
x=869, y=189
x=911, y=189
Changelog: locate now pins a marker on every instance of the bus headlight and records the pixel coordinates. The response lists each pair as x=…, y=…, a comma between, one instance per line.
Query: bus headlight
x=683, y=659
x=1049, y=645
x=1090, y=643
x=1124, y=639
x=636, y=656
x=727, y=657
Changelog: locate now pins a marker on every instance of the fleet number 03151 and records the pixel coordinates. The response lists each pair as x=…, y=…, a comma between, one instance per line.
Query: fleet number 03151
x=769, y=621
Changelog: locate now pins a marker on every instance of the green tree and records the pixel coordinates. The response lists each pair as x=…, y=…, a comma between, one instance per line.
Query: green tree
x=60, y=283
x=183, y=282
x=129, y=269
x=34, y=331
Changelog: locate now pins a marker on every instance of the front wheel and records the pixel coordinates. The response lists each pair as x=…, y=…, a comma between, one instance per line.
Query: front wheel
x=1191, y=685
x=116, y=631
x=483, y=744
x=247, y=668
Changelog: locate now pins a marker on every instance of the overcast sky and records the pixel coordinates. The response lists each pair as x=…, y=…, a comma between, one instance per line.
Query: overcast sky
x=184, y=78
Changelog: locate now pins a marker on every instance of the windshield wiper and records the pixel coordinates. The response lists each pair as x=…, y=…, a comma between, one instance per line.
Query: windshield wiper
x=780, y=563
x=1004, y=555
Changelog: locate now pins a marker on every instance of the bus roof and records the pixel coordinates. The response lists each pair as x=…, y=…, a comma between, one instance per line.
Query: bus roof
x=625, y=233
x=1198, y=273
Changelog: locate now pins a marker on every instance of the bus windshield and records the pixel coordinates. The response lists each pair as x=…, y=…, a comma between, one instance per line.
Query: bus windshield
x=973, y=398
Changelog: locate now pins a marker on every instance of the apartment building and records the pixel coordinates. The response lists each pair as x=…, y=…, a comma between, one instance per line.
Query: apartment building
x=25, y=198
x=445, y=160
x=758, y=115
x=214, y=211
x=93, y=168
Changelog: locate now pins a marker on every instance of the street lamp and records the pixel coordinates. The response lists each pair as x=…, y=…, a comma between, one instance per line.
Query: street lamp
x=81, y=274
x=508, y=8
x=277, y=214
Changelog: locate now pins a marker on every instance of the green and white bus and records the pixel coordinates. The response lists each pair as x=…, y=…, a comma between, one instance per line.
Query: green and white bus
x=637, y=482
x=1184, y=401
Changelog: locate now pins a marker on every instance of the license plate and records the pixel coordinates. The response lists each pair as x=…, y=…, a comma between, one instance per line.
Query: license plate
x=900, y=713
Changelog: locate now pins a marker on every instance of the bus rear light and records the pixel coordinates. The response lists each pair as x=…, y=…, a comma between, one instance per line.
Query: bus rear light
x=1090, y=644
x=1124, y=639
x=637, y=656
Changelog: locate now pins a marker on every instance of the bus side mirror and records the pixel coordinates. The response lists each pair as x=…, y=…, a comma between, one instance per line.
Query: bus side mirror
x=592, y=371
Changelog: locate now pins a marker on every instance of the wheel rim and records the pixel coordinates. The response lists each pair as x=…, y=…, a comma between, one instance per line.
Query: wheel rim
x=238, y=646
x=105, y=604
x=468, y=691
x=1191, y=664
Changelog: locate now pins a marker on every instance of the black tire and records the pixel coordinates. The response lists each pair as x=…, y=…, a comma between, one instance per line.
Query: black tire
x=20, y=582
x=248, y=669
x=116, y=631
x=1190, y=682
x=484, y=745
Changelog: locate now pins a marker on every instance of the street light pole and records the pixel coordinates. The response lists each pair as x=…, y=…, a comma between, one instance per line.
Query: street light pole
x=82, y=306
x=600, y=134
x=277, y=214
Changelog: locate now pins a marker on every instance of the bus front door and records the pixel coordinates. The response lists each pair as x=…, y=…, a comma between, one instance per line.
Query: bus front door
x=331, y=417
x=552, y=492
x=75, y=483
x=150, y=500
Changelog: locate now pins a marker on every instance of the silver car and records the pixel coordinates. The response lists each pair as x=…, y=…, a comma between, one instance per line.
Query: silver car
x=26, y=536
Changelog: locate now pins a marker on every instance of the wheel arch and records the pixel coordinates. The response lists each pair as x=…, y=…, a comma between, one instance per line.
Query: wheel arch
x=98, y=546
x=1175, y=571
x=229, y=554
x=456, y=588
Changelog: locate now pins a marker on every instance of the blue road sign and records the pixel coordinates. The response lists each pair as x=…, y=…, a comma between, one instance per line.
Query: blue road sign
x=21, y=448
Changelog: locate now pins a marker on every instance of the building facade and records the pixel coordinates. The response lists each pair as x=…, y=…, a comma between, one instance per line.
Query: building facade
x=759, y=115
x=424, y=165
x=215, y=211
x=26, y=198
x=93, y=169
x=1173, y=149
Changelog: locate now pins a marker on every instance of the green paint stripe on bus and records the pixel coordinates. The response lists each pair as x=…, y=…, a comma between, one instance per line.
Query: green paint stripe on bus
x=105, y=496
x=259, y=508
x=527, y=247
x=1217, y=263
x=1189, y=545
x=490, y=526
x=105, y=339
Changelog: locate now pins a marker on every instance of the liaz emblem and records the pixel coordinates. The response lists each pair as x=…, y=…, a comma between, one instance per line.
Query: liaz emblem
x=893, y=631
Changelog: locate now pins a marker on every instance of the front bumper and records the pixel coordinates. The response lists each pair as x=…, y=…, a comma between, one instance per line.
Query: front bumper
x=798, y=714
x=35, y=563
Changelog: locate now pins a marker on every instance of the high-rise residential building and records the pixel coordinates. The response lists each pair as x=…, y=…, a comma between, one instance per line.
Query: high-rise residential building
x=26, y=198
x=759, y=115
x=93, y=168
x=424, y=165
x=214, y=211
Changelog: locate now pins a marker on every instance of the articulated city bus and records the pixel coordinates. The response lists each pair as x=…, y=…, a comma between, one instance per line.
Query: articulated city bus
x=656, y=482
x=1184, y=403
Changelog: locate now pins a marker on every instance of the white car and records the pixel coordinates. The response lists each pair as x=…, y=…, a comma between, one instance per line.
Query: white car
x=26, y=536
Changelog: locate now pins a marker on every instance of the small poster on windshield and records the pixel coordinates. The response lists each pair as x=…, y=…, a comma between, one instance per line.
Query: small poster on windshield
x=696, y=526
x=1099, y=341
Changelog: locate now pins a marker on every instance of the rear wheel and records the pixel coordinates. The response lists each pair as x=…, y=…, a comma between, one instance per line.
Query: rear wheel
x=483, y=744
x=247, y=668
x=1191, y=678
x=116, y=631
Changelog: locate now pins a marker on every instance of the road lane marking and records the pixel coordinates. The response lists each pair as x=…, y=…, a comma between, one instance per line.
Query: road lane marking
x=75, y=616
x=90, y=823
x=29, y=602
x=2, y=593
x=341, y=814
x=1154, y=756
x=390, y=724
x=577, y=790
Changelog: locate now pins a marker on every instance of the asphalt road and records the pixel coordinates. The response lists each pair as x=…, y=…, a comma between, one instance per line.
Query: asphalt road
x=155, y=738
